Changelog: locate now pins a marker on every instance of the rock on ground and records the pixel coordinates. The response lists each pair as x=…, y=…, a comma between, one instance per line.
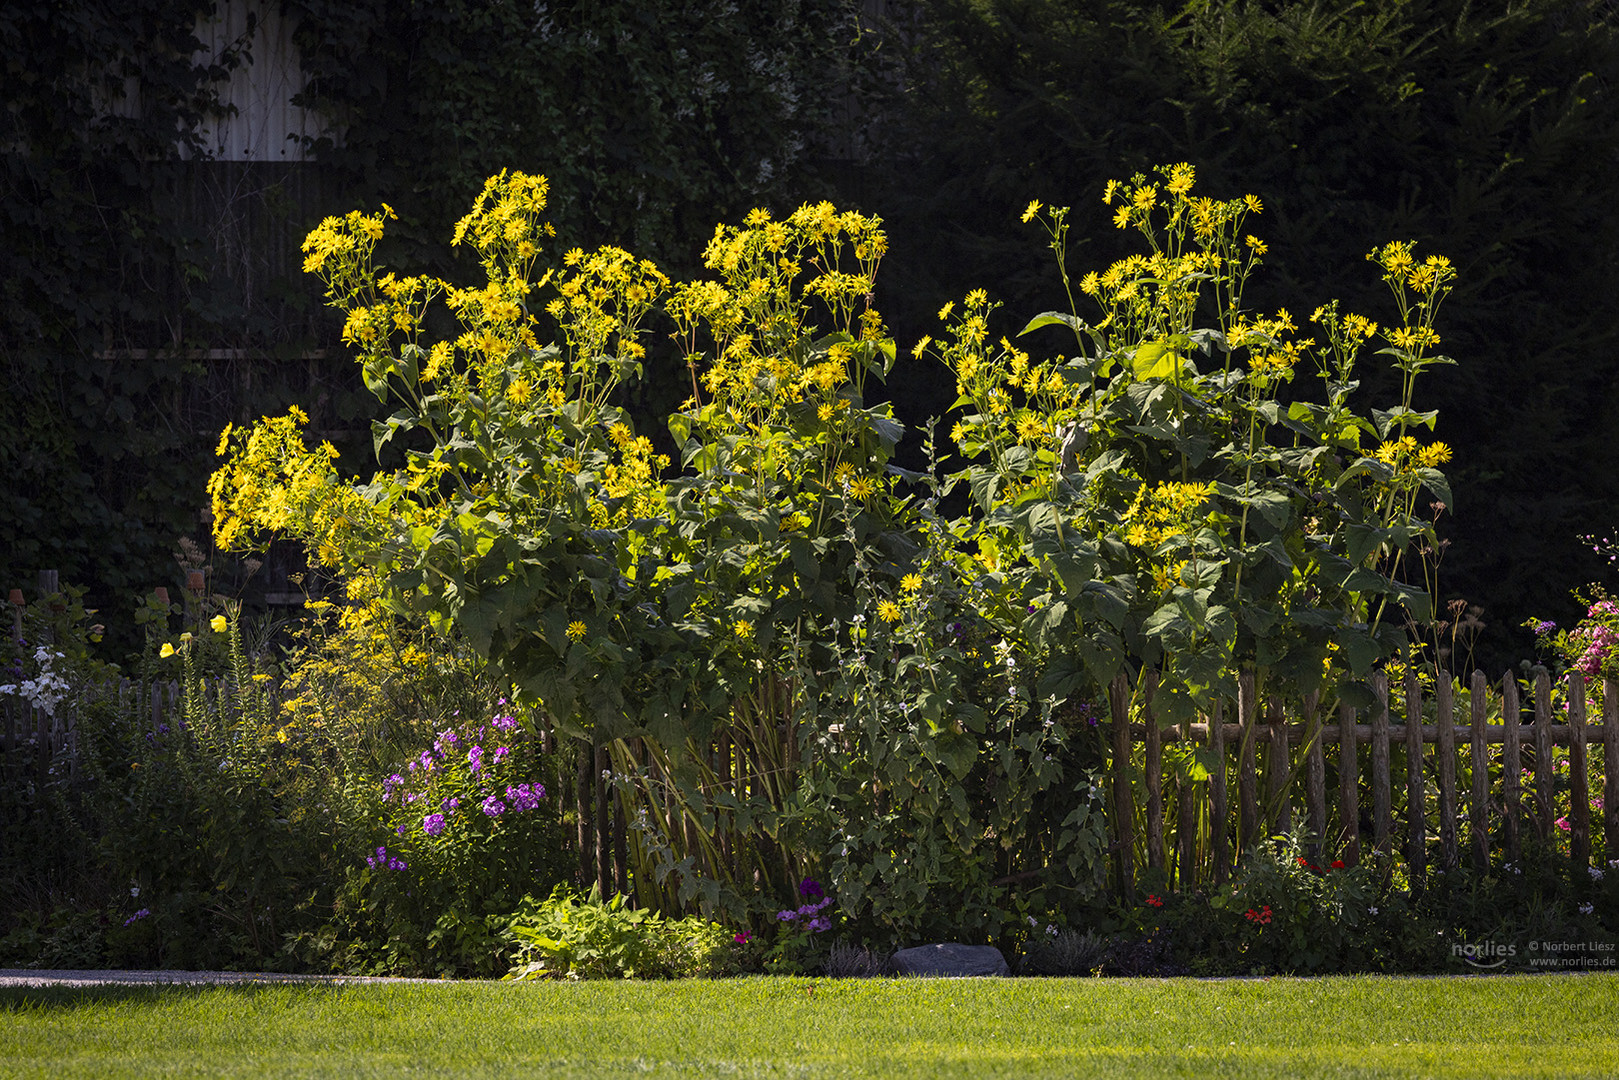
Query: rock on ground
x=950, y=959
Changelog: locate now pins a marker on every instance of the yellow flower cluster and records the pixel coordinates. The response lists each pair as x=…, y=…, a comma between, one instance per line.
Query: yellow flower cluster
x=272, y=482
x=1405, y=454
x=1160, y=515
x=603, y=296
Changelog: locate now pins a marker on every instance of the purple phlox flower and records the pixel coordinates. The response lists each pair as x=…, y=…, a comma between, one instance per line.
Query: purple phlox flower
x=504, y=723
x=501, y=752
x=450, y=805
x=401, y=830
x=475, y=758
x=786, y=916
x=138, y=916
x=446, y=741
x=810, y=887
x=411, y=767
x=392, y=782
x=412, y=797
x=1545, y=626
x=525, y=796
x=426, y=759
x=397, y=863
x=433, y=824
x=379, y=858
x=819, y=923
x=493, y=807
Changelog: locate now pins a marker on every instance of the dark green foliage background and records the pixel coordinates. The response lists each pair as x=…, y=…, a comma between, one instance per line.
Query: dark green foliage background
x=1486, y=131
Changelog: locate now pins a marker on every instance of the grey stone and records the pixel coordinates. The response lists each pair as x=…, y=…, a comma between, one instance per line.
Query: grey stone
x=950, y=959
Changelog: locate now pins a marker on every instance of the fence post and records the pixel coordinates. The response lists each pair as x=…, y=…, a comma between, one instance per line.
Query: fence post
x=1278, y=767
x=1154, y=774
x=1218, y=808
x=1543, y=753
x=1247, y=788
x=1610, y=768
x=1349, y=783
x=1511, y=763
x=1315, y=779
x=1416, y=789
x=1124, y=811
x=1445, y=759
x=1478, y=814
x=586, y=836
x=1579, y=793
x=1381, y=802
x=1186, y=821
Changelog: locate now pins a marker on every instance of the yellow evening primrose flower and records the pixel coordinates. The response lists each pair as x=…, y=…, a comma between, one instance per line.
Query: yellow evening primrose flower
x=166, y=651
x=218, y=623
x=911, y=582
x=576, y=631
x=889, y=611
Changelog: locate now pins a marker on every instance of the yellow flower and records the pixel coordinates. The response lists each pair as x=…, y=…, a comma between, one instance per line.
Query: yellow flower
x=911, y=582
x=1033, y=209
x=1121, y=216
x=944, y=312
x=1257, y=244
x=1253, y=204
x=166, y=651
x=218, y=623
x=1429, y=456
x=862, y=487
x=576, y=631
x=889, y=611
x=742, y=629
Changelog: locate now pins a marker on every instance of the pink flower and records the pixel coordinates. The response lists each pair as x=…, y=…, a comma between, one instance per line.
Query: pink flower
x=1562, y=823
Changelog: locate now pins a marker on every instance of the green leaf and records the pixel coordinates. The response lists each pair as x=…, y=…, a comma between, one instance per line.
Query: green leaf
x=1054, y=318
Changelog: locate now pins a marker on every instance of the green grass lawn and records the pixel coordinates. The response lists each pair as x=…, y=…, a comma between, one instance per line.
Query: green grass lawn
x=1329, y=1027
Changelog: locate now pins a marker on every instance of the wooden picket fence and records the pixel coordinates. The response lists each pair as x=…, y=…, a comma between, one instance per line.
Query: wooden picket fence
x=52, y=738
x=1296, y=755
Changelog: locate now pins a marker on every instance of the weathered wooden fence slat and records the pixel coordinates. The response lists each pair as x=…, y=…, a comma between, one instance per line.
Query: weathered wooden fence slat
x=1438, y=805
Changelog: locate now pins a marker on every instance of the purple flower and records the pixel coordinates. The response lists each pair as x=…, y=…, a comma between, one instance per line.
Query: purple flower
x=475, y=758
x=450, y=806
x=426, y=759
x=501, y=752
x=743, y=937
x=433, y=824
x=786, y=916
x=493, y=807
x=401, y=830
x=504, y=723
x=1545, y=626
x=811, y=888
x=819, y=923
x=393, y=781
x=138, y=916
x=397, y=863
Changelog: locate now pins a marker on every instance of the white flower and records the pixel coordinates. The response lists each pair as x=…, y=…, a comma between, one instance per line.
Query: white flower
x=1371, y=911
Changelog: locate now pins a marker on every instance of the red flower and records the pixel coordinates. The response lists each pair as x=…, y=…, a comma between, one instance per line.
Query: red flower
x=1303, y=861
x=1337, y=864
x=1154, y=900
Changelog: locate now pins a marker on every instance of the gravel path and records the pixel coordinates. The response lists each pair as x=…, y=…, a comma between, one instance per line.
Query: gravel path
x=37, y=977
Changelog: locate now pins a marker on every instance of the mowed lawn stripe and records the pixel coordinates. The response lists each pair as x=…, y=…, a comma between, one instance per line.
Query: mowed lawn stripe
x=1560, y=1026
